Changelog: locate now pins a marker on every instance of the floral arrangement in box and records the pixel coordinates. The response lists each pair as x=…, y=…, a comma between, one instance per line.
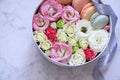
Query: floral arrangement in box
x=70, y=32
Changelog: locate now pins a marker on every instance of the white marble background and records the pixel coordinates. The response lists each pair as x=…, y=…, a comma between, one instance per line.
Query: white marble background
x=19, y=57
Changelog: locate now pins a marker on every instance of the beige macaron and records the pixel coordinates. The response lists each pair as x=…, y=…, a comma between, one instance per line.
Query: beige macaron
x=79, y=4
x=64, y=2
x=87, y=11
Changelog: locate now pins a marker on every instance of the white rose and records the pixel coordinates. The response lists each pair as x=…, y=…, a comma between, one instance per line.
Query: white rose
x=98, y=40
x=83, y=28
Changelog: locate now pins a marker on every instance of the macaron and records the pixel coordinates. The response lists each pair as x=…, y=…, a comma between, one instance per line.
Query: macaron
x=99, y=21
x=79, y=4
x=94, y=16
x=87, y=11
x=64, y=2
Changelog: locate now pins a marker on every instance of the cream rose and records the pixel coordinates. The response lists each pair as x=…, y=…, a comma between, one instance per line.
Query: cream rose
x=45, y=45
x=39, y=36
x=72, y=40
x=53, y=25
x=83, y=43
x=77, y=58
x=69, y=29
x=61, y=36
x=47, y=52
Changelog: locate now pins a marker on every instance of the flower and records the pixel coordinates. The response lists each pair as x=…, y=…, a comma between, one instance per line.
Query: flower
x=47, y=52
x=107, y=27
x=75, y=47
x=39, y=36
x=70, y=15
x=45, y=45
x=72, y=40
x=69, y=29
x=77, y=58
x=53, y=25
x=89, y=53
x=98, y=40
x=60, y=23
x=39, y=22
x=62, y=36
x=51, y=34
x=60, y=52
x=83, y=43
x=84, y=29
x=51, y=10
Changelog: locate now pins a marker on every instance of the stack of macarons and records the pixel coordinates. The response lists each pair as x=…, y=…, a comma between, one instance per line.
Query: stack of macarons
x=71, y=32
x=88, y=12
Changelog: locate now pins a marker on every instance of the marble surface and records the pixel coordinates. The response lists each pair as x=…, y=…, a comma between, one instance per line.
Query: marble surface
x=21, y=60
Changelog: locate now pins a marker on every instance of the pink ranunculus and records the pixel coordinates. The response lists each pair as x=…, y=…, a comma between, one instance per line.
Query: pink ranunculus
x=70, y=15
x=39, y=22
x=60, y=51
x=51, y=9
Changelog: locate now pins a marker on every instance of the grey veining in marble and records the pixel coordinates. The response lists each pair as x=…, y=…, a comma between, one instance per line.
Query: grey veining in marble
x=19, y=57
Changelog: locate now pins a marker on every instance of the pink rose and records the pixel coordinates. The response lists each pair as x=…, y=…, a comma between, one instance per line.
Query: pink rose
x=39, y=22
x=70, y=15
x=51, y=9
x=60, y=51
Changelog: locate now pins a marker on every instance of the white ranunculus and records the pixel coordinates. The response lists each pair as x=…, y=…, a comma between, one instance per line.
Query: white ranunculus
x=84, y=28
x=77, y=58
x=98, y=40
x=45, y=45
x=62, y=36
x=39, y=36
